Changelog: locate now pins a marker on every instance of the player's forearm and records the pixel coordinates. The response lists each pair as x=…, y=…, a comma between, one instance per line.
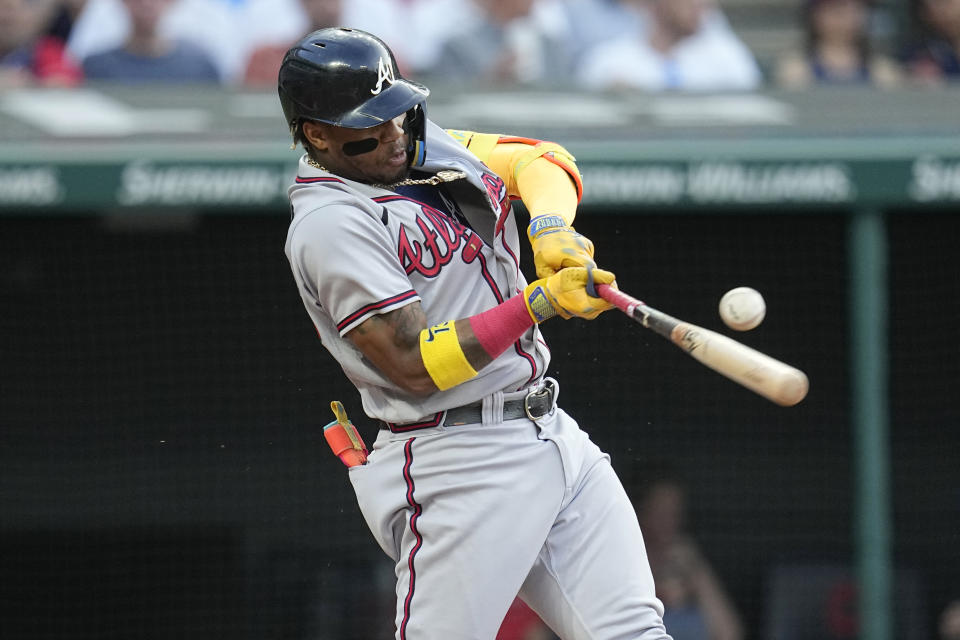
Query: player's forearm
x=546, y=188
x=390, y=341
x=544, y=176
x=421, y=359
x=454, y=352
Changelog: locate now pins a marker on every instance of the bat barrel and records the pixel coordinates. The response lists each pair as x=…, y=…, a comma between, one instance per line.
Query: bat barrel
x=766, y=376
x=775, y=380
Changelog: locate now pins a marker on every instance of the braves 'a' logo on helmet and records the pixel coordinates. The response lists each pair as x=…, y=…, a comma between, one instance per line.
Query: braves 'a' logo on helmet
x=384, y=74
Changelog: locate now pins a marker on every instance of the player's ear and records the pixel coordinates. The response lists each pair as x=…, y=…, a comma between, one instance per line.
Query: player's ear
x=316, y=135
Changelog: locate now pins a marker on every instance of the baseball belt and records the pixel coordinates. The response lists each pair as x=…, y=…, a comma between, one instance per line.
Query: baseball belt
x=535, y=404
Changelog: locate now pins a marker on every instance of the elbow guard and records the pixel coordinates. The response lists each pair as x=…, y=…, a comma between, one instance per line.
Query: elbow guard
x=553, y=153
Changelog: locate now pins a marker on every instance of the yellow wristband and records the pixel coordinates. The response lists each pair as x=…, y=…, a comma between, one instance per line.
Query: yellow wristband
x=538, y=301
x=443, y=358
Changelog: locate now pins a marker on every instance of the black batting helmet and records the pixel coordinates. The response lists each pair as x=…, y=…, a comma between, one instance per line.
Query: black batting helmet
x=349, y=78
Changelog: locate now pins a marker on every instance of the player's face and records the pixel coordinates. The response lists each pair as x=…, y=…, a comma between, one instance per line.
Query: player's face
x=387, y=163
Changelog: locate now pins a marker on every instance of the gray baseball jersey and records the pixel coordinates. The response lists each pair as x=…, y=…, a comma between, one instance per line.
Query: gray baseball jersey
x=357, y=250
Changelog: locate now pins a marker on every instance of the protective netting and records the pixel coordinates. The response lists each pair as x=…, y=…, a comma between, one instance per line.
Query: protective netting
x=163, y=473
x=925, y=413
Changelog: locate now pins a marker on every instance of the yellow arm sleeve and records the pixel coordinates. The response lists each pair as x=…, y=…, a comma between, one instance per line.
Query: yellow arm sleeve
x=542, y=174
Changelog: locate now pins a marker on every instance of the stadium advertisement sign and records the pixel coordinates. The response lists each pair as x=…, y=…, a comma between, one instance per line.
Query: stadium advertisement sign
x=144, y=184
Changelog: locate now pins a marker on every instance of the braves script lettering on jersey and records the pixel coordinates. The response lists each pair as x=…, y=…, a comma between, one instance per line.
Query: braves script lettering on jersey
x=472, y=514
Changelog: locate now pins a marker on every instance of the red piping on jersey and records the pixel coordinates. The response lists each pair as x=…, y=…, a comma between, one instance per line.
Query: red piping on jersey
x=412, y=426
x=489, y=278
x=496, y=294
x=533, y=363
x=392, y=198
x=507, y=247
x=415, y=530
x=300, y=180
x=373, y=306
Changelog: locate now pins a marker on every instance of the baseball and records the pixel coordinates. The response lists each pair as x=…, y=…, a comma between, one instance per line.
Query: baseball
x=742, y=308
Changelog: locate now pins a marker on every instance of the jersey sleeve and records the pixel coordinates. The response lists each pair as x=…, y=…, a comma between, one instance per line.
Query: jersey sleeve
x=347, y=262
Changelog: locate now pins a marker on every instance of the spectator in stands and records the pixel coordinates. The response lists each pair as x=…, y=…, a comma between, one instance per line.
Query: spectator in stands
x=27, y=55
x=683, y=45
x=64, y=14
x=147, y=56
x=514, y=42
x=949, y=622
x=264, y=63
x=414, y=29
x=935, y=57
x=836, y=49
x=595, y=21
x=696, y=606
x=221, y=28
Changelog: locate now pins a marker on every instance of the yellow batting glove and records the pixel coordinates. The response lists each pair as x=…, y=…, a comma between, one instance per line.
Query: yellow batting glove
x=557, y=245
x=565, y=294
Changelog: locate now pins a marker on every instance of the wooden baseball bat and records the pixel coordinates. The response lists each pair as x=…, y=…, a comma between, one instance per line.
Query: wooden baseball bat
x=772, y=379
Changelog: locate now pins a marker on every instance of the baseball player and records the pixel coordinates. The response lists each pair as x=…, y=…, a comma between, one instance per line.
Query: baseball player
x=404, y=248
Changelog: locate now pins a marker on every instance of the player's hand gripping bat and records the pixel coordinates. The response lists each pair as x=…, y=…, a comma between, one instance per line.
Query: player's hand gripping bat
x=772, y=379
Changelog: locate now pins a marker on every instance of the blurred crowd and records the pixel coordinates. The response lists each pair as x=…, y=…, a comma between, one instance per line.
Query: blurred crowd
x=599, y=44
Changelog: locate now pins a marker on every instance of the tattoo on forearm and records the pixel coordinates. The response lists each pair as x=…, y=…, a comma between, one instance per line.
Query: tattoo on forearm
x=406, y=322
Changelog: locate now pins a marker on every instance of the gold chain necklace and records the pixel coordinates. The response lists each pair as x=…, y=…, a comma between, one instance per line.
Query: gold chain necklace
x=445, y=175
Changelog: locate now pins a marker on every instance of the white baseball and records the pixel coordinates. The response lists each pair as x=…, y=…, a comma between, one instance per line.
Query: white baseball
x=742, y=308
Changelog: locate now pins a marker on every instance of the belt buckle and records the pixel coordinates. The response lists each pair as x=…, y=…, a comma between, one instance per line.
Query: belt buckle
x=547, y=389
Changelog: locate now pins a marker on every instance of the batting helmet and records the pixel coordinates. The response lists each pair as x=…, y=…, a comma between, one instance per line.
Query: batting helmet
x=349, y=78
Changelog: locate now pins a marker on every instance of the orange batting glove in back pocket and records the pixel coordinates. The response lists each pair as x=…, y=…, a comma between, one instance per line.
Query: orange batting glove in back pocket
x=343, y=438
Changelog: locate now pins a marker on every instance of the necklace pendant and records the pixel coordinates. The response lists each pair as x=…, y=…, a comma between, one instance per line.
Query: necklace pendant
x=447, y=175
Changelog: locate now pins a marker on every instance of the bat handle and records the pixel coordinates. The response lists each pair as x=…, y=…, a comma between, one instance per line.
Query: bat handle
x=618, y=298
